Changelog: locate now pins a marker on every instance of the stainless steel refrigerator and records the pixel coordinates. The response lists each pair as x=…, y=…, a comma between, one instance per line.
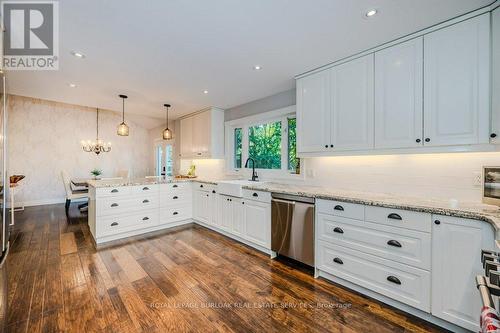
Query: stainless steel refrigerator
x=4, y=188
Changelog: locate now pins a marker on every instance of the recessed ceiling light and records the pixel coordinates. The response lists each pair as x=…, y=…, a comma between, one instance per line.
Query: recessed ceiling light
x=72, y=85
x=371, y=12
x=257, y=67
x=78, y=54
x=205, y=92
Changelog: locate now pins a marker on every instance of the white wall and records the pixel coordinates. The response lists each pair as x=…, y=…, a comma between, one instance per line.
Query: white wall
x=44, y=139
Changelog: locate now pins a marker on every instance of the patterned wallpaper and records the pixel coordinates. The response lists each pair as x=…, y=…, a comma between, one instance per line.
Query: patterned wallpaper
x=44, y=139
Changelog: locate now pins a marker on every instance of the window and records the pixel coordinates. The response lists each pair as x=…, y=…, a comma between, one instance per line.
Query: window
x=269, y=138
x=164, y=162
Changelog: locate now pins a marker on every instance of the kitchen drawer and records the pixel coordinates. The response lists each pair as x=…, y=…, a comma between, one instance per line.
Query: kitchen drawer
x=176, y=198
x=401, y=282
x=173, y=214
x=176, y=187
x=110, y=206
x=122, y=223
x=112, y=191
x=402, y=245
x=261, y=196
x=343, y=209
x=204, y=187
x=399, y=218
x=144, y=189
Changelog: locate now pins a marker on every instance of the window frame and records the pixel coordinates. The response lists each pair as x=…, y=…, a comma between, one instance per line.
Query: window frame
x=245, y=123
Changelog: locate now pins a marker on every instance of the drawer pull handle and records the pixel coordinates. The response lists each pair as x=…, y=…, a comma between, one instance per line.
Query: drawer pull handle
x=201, y=185
x=393, y=279
x=114, y=190
x=175, y=197
x=114, y=205
x=114, y=224
x=338, y=261
x=338, y=207
x=145, y=201
x=338, y=230
x=255, y=194
x=394, y=243
x=145, y=188
x=213, y=191
x=437, y=222
x=145, y=218
x=175, y=186
x=394, y=216
x=175, y=213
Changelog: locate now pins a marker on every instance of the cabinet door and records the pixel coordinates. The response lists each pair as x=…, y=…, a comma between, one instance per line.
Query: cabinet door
x=201, y=134
x=187, y=137
x=201, y=206
x=495, y=107
x=257, y=222
x=456, y=260
x=238, y=226
x=456, y=83
x=313, y=113
x=226, y=213
x=398, y=95
x=214, y=209
x=351, y=92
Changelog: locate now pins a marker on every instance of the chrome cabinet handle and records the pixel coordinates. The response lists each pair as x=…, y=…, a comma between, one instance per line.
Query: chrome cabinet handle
x=114, y=205
x=114, y=224
x=145, y=218
x=145, y=201
x=394, y=216
x=393, y=279
x=338, y=207
x=145, y=188
x=114, y=190
x=338, y=230
x=394, y=243
x=338, y=261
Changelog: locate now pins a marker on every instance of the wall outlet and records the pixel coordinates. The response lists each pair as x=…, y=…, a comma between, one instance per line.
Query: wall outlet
x=477, y=179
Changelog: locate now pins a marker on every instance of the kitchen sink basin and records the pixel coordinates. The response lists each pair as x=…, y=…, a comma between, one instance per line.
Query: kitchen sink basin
x=233, y=187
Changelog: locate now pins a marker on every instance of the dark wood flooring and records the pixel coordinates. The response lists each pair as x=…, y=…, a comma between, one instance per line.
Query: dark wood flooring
x=188, y=279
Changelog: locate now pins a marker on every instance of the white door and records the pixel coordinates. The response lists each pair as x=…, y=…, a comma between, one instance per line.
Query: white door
x=351, y=92
x=456, y=260
x=187, y=137
x=201, y=206
x=257, y=221
x=456, y=83
x=398, y=95
x=495, y=107
x=313, y=113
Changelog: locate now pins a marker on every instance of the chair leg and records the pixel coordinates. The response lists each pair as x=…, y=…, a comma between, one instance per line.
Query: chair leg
x=68, y=202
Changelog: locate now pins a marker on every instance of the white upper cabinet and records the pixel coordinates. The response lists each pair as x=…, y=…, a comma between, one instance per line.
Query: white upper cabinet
x=456, y=83
x=398, y=95
x=313, y=113
x=202, y=134
x=351, y=93
x=495, y=107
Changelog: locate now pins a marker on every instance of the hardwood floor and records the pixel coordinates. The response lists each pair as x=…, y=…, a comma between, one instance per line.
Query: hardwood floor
x=185, y=280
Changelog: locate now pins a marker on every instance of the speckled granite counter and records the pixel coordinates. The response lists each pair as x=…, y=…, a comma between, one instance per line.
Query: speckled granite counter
x=477, y=211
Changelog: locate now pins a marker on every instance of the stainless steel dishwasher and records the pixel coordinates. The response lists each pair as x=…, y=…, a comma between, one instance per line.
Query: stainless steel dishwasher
x=292, y=227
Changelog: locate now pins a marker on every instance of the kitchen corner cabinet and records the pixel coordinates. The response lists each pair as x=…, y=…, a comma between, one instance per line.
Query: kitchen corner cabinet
x=456, y=260
x=202, y=134
x=495, y=105
x=399, y=96
x=456, y=83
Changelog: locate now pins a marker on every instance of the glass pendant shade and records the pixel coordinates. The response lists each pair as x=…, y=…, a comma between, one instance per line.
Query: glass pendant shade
x=167, y=134
x=123, y=129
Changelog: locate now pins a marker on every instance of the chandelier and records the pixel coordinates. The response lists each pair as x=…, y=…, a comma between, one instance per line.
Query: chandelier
x=97, y=146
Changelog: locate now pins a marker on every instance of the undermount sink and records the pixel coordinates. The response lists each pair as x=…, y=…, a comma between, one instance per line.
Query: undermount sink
x=233, y=187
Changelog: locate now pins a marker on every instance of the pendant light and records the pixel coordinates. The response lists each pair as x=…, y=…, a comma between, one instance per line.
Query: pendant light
x=97, y=146
x=167, y=132
x=123, y=128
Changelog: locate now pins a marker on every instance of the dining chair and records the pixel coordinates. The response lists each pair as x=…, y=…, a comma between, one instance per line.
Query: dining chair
x=123, y=173
x=70, y=193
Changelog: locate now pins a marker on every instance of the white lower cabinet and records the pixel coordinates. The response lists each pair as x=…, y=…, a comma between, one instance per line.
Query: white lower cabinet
x=201, y=206
x=456, y=260
x=257, y=222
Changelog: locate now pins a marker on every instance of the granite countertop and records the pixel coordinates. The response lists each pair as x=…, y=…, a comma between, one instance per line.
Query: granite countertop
x=470, y=210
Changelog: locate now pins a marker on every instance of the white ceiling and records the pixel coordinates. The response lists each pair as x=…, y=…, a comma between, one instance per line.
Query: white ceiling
x=159, y=51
